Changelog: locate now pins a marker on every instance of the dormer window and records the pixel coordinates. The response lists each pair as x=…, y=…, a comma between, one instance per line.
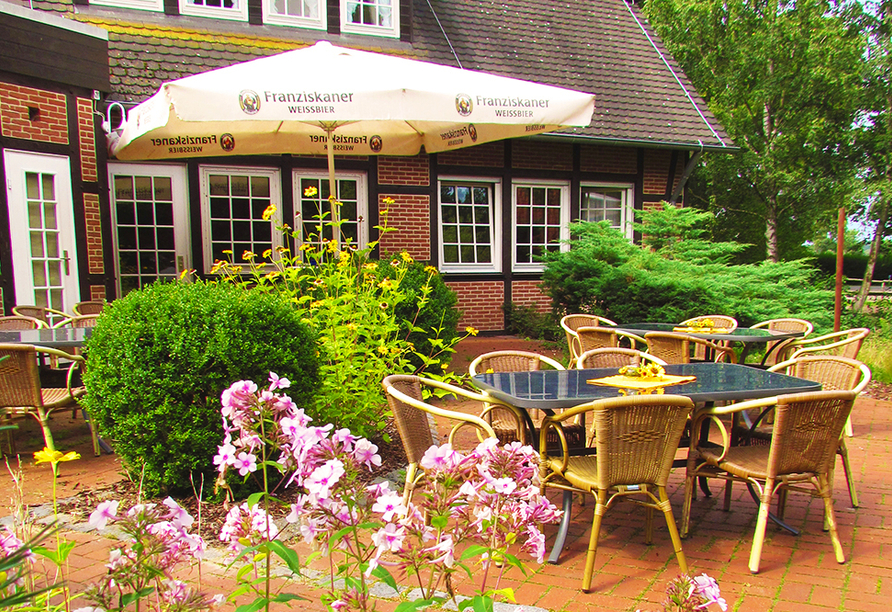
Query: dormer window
x=300, y=13
x=236, y=10
x=142, y=5
x=374, y=17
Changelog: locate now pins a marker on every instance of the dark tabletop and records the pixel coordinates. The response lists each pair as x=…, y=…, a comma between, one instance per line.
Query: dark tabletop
x=54, y=338
x=741, y=334
x=553, y=389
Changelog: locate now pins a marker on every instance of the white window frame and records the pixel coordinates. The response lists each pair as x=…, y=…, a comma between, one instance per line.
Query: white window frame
x=239, y=13
x=564, y=235
x=275, y=197
x=362, y=200
x=495, y=227
x=628, y=203
x=319, y=23
x=141, y=5
x=371, y=30
x=179, y=193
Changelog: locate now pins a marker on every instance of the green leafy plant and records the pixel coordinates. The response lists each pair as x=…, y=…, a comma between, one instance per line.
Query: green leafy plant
x=161, y=356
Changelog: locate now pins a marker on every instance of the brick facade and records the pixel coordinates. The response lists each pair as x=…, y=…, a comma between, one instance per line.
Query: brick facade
x=529, y=293
x=33, y=114
x=481, y=304
x=404, y=170
x=97, y=292
x=490, y=155
x=92, y=217
x=410, y=216
x=617, y=160
x=542, y=155
x=86, y=139
x=656, y=171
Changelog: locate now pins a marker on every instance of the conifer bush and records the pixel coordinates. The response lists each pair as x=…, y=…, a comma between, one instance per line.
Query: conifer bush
x=160, y=357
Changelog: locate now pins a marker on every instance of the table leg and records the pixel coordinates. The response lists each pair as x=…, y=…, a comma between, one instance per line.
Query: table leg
x=564, y=527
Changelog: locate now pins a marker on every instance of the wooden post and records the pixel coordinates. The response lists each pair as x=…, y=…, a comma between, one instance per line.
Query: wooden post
x=840, y=250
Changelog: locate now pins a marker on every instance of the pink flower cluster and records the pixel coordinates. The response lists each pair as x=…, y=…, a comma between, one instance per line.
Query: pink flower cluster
x=10, y=545
x=247, y=526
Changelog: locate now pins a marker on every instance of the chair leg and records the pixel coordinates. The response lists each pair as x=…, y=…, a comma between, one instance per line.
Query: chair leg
x=600, y=510
x=847, y=468
x=410, y=482
x=648, y=525
x=666, y=507
x=830, y=517
x=728, y=490
x=849, y=431
x=690, y=486
x=761, y=523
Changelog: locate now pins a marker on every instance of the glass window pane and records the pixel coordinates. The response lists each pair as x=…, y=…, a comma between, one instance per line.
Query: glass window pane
x=260, y=186
x=49, y=215
x=239, y=186
x=52, y=244
x=49, y=186
x=123, y=188
x=218, y=184
x=37, y=245
x=55, y=272
x=34, y=219
x=163, y=189
x=32, y=186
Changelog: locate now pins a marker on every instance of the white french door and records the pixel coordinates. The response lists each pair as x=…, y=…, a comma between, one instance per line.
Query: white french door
x=41, y=224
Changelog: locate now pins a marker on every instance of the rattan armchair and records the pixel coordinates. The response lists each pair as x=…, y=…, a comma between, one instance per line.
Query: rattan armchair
x=773, y=350
x=21, y=393
x=676, y=348
x=572, y=322
x=42, y=313
x=415, y=419
x=845, y=343
x=701, y=352
x=89, y=307
x=614, y=358
x=78, y=321
x=802, y=452
x=636, y=440
x=20, y=322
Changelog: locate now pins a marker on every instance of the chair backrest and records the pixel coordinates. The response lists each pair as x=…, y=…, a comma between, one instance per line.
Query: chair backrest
x=89, y=307
x=786, y=325
x=806, y=432
x=596, y=337
x=511, y=361
x=572, y=322
x=19, y=378
x=637, y=438
x=834, y=373
x=41, y=313
x=415, y=418
x=722, y=321
x=78, y=321
x=845, y=343
x=671, y=348
x=614, y=358
x=20, y=322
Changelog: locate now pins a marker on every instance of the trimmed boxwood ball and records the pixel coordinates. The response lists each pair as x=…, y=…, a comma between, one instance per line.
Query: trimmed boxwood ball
x=160, y=357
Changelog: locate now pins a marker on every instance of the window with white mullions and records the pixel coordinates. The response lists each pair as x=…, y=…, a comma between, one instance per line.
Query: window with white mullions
x=313, y=210
x=469, y=226
x=300, y=13
x=540, y=222
x=376, y=17
x=219, y=9
x=613, y=203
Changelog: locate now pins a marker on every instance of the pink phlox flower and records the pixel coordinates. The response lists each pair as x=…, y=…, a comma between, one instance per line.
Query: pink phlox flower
x=291, y=427
x=486, y=449
x=439, y=458
x=174, y=591
x=708, y=589
x=389, y=538
x=535, y=543
x=116, y=559
x=285, y=406
x=339, y=604
x=446, y=550
x=262, y=524
x=468, y=489
x=377, y=489
x=389, y=505
x=323, y=478
x=367, y=453
x=297, y=510
x=106, y=511
x=482, y=514
x=344, y=438
x=232, y=528
x=178, y=515
x=310, y=530
x=245, y=463
x=9, y=543
x=275, y=382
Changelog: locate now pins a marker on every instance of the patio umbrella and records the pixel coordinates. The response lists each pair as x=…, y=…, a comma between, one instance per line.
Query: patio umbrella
x=362, y=103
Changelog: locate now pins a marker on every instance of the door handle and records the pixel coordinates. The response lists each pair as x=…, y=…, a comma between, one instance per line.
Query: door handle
x=67, y=262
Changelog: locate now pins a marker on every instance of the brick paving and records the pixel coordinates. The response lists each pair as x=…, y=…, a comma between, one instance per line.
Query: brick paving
x=797, y=573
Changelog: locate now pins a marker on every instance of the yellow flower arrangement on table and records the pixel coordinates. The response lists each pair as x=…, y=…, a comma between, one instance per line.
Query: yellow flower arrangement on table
x=641, y=379
x=701, y=326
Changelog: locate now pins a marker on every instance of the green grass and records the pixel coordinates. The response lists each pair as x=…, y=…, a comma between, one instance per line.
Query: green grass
x=876, y=352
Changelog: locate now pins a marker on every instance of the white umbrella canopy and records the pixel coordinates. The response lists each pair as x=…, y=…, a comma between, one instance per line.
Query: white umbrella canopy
x=373, y=104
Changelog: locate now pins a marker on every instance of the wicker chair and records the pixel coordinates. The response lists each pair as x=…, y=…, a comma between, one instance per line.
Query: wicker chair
x=676, y=348
x=774, y=349
x=721, y=321
x=846, y=343
x=21, y=393
x=20, y=322
x=803, y=447
x=90, y=307
x=614, y=358
x=572, y=322
x=42, y=313
x=78, y=321
x=415, y=419
x=506, y=421
x=588, y=338
x=636, y=441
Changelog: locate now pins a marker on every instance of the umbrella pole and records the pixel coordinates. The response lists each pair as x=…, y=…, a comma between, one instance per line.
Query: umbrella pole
x=332, y=189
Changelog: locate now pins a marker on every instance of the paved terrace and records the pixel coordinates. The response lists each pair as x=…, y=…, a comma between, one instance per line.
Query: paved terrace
x=798, y=573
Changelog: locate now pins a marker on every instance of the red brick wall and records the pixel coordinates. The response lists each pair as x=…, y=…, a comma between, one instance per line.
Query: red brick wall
x=542, y=155
x=410, y=216
x=404, y=170
x=94, y=234
x=51, y=124
x=86, y=139
x=621, y=160
x=481, y=303
x=97, y=292
x=656, y=171
x=528, y=293
x=490, y=155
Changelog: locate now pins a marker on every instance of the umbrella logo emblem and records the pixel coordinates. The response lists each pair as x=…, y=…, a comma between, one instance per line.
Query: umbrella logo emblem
x=463, y=104
x=249, y=101
x=375, y=143
x=227, y=142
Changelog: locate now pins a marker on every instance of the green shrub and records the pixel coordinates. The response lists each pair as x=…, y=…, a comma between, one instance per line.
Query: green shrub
x=525, y=321
x=160, y=358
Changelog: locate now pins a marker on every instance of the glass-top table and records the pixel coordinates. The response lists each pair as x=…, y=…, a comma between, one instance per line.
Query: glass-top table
x=61, y=338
